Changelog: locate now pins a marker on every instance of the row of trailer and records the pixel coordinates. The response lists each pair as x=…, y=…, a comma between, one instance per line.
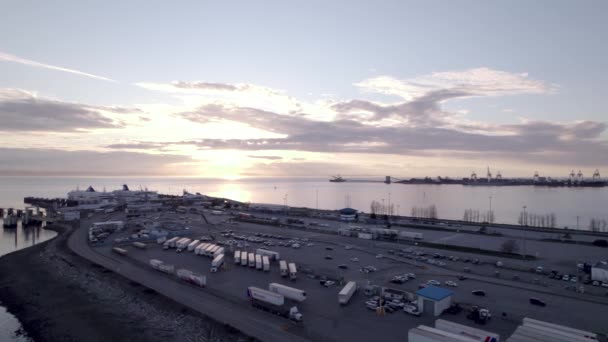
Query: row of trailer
x=257, y=261
x=198, y=247
x=183, y=274
x=288, y=269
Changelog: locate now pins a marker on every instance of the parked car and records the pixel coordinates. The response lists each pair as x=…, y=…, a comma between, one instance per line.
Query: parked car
x=329, y=248
x=342, y=266
x=433, y=282
x=451, y=283
x=536, y=301
x=328, y=257
x=480, y=293
x=354, y=259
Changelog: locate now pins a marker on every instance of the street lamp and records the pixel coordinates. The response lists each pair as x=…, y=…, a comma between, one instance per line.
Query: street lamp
x=525, y=221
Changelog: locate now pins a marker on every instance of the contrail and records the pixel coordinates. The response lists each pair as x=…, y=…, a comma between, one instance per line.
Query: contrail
x=11, y=58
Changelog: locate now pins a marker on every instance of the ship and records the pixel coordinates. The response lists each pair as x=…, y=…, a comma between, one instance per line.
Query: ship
x=337, y=179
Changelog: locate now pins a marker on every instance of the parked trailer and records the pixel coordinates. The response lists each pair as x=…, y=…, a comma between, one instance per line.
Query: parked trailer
x=287, y=292
x=237, y=257
x=292, y=271
x=208, y=250
x=258, y=261
x=183, y=244
x=283, y=268
x=266, y=263
x=464, y=330
x=197, y=249
x=191, y=277
x=217, y=263
x=218, y=251
x=347, y=292
x=139, y=245
x=167, y=244
x=271, y=254
x=273, y=303
x=251, y=260
x=161, y=266
x=244, y=258
x=119, y=250
x=410, y=235
x=213, y=250
x=192, y=245
x=561, y=328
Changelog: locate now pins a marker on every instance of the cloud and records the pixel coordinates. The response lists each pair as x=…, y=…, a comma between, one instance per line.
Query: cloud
x=44, y=162
x=473, y=82
x=23, y=111
x=206, y=86
x=265, y=157
x=15, y=59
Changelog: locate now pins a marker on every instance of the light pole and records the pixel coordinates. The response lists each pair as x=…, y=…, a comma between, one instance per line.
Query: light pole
x=577, y=222
x=525, y=221
x=383, y=208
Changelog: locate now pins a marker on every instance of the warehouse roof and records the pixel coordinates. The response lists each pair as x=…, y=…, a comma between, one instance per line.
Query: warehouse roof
x=434, y=293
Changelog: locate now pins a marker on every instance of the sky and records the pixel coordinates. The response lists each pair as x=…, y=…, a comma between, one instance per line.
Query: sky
x=238, y=89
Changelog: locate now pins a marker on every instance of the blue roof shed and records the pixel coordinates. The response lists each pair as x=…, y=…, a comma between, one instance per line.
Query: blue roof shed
x=434, y=293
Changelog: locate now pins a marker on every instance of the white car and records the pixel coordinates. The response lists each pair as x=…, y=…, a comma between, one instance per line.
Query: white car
x=451, y=283
x=411, y=275
x=328, y=283
x=379, y=256
x=354, y=259
x=433, y=282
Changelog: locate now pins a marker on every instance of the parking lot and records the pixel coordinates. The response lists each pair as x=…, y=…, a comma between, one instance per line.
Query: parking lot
x=332, y=257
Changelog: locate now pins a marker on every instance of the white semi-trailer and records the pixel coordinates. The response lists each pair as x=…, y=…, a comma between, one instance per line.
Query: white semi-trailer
x=192, y=245
x=208, y=250
x=283, y=268
x=273, y=303
x=119, y=250
x=251, y=260
x=410, y=235
x=167, y=244
x=258, y=261
x=287, y=292
x=198, y=249
x=237, y=257
x=292, y=271
x=218, y=251
x=213, y=250
x=266, y=263
x=460, y=329
x=183, y=244
x=271, y=254
x=217, y=263
x=244, y=258
x=161, y=266
x=347, y=292
x=139, y=245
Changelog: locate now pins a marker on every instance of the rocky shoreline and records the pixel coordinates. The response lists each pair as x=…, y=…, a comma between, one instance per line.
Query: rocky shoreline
x=60, y=297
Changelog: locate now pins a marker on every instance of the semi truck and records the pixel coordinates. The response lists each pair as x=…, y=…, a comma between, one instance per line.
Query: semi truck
x=192, y=245
x=292, y=271
x=237, y=257
x=139, y=245
x=251, y=260
x=258, y=261
x=410, y=235
x=266, y=263
x=287, y=292
x=119, y=250
x=161, y=266
x=347, y=292
x=283, y=268
x=191, y=277
x=271, y=254
x=217, y=263
x=273, y=303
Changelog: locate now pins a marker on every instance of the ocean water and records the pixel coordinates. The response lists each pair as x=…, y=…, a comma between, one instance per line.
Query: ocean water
x=570, y=205
x=11, y=240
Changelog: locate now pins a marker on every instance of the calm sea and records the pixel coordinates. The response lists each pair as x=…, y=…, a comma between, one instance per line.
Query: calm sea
x=571, y=206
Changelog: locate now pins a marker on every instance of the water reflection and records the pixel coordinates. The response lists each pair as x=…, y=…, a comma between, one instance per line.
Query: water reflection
x=233, y=191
